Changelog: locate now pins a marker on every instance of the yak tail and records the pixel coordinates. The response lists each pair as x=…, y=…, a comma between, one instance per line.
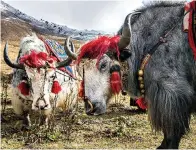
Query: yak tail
x=169, y=104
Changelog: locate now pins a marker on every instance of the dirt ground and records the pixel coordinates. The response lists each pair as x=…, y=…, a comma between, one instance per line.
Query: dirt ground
x=121, y=127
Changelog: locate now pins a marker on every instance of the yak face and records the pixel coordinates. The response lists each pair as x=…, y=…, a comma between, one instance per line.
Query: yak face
x=40, y=82
x=104, y=79
x=97, y=84
x=33, y=56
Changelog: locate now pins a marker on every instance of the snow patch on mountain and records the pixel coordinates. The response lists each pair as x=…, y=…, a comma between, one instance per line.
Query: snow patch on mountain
x=9, y=13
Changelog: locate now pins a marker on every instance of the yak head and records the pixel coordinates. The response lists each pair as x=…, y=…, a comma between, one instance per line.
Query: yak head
x=102, y=71
x=35, y=71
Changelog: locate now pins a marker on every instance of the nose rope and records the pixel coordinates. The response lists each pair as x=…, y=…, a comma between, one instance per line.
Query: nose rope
x=41, y=98
x=42, y=95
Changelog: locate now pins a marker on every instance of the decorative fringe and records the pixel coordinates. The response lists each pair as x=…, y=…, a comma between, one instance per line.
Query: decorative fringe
x=186, y=17
x=190, y=31
x=141, y=103
x=56, y=88
x=81, y=89
x=24, y=88
x=115, y=82
x=98, y=47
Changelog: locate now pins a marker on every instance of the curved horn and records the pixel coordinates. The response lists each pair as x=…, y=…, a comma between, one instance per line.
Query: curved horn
x=71, y=55
x=64, y=63
x=91, y=105
x=8, y=61
x=126, y=31
x=70, y=52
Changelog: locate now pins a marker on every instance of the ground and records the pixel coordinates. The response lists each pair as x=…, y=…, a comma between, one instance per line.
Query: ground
x=121, y=127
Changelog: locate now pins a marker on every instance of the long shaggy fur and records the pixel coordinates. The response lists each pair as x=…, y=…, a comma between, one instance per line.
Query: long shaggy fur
x=170, y=75
x=170, y=105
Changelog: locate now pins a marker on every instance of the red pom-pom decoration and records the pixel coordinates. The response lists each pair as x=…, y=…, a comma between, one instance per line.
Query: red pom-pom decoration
x=24, y=88
x=141, y=103
x=56, y=88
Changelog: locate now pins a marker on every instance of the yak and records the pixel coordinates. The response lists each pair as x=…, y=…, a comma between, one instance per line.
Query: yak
x=39, y=82
x=160, y=71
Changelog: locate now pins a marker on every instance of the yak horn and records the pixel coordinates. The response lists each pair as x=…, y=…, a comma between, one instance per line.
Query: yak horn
x=8, y=61
x=64, y=63
x=70, y=53
x=91, y=105
x=126, y=31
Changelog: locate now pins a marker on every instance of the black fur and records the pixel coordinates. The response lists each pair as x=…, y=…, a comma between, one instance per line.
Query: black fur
x=115, y=68
x=170, y=75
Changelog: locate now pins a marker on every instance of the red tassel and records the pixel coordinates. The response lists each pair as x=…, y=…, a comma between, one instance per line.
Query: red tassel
x=141, y=103
x=24, y=88
x=56, y=88
x=115, y=82
x=81, y=89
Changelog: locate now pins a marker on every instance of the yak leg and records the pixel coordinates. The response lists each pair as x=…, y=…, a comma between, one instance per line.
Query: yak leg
x=171, y=142
x=169, y=109
x=26, y=121
x=21, y=108
x=173, y=135
x=43, y=120
x=45, y=117
x=26, y=110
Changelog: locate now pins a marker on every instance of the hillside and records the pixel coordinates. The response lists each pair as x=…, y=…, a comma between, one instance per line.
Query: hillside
x=15, y=24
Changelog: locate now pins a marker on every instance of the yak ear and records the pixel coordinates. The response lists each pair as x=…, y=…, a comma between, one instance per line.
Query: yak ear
x=124, y=55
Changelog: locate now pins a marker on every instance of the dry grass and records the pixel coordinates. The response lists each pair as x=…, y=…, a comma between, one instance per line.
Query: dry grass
x=121, y=127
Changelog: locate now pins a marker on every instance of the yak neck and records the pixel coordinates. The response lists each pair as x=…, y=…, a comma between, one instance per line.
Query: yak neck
x=154, y=21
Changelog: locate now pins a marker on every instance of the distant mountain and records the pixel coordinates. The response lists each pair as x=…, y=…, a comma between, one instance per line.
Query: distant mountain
x=15, y=23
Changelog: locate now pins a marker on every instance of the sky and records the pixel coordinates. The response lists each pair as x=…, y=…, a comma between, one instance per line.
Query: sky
x=98, y=15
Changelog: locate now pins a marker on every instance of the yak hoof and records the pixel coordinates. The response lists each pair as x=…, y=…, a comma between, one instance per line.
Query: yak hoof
x=160, y=147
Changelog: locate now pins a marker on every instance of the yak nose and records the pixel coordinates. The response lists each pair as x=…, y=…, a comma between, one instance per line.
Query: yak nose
x=43, y=107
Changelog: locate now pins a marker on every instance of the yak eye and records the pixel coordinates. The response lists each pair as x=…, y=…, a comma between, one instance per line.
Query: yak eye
x=52, y=77
x=103, y=65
